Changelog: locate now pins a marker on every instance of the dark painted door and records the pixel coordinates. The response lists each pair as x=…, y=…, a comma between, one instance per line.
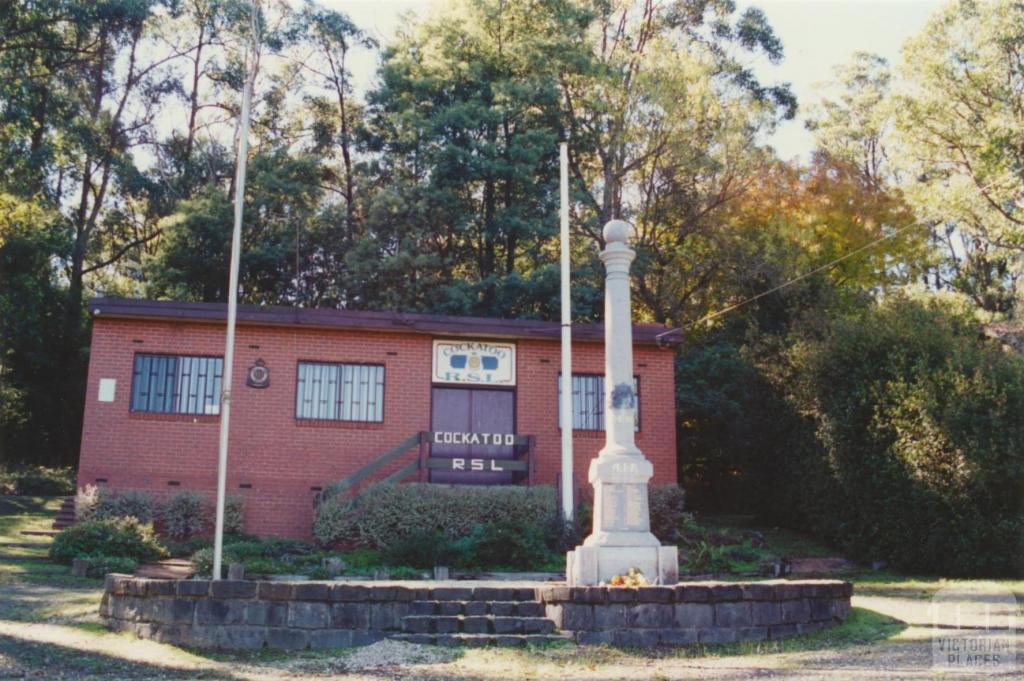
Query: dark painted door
x=479, y=412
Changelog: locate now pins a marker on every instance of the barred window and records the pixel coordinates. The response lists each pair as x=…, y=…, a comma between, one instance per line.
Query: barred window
x=176, y=384
x=588, y=402
x=340, y=392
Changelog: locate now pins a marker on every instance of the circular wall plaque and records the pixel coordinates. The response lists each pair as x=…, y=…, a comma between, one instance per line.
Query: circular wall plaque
x=258, y=376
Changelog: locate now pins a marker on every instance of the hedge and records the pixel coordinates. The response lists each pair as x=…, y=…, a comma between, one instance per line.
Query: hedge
x=385, y=513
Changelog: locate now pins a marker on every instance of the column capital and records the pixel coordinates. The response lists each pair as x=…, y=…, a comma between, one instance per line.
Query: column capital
x=617, y=256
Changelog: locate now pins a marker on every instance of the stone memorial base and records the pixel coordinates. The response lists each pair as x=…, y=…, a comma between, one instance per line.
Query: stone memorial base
x=240, y=614
x=593, y=565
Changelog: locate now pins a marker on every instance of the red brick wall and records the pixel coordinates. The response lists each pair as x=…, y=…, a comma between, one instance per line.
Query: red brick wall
x=280, y=457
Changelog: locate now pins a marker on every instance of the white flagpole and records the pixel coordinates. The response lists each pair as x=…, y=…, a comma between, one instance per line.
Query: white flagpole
x=566, y=397
x=236, y=247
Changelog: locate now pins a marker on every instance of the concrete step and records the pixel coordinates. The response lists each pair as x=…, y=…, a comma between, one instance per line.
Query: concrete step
x=478, y=608
x=478, y=640
x=39, y=533
x=478, y=625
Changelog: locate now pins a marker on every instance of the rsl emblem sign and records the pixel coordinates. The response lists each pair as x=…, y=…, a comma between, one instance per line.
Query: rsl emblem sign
x=474, y=362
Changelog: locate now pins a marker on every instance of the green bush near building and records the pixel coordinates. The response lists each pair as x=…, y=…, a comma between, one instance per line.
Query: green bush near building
x=183, y=515
x=109, y=537
x=486, y=528
x=385, y=513
x=94, y=503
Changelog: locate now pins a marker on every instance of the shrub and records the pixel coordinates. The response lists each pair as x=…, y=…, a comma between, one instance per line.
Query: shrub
x=115, y=537
x=668, y=513
x=183, y=515
x=98, y=504
x=85, y=502
x=268, y=555
x=234, y=514
x=505, y=545
x=386, y=513
x=423, y=550
x=918, y=426
x=100, y=565
x=39, y=481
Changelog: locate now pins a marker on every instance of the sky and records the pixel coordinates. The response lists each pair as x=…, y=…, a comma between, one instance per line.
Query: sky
x=817, y=35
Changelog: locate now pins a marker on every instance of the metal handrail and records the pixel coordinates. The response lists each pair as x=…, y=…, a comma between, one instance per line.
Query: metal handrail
x=421, y=464
x=387, y=457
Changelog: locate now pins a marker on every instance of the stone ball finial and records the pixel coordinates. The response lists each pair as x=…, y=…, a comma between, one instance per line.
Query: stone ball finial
x=617, y=231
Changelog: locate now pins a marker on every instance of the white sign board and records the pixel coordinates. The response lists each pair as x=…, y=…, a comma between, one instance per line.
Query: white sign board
x=474, y=362
x=108, y=388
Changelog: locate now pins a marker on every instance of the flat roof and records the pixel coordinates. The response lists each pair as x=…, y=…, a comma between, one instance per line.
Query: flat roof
x=394, y=322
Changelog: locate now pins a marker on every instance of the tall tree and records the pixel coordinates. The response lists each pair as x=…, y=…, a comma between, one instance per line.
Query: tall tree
x=465, y=126
x=961, y=142
x=665, y=120
x=852, y=126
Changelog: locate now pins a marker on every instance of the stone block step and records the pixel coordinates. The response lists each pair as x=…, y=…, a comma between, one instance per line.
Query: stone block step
x=480, y=640
x=39, y=533
x=479, y=624
x=482, y=593
x=478, y=608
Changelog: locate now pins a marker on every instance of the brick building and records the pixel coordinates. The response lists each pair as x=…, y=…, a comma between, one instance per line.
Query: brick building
x=319, y=394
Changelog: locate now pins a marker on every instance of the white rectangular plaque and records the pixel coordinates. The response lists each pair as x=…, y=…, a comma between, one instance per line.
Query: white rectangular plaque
x=108, y=388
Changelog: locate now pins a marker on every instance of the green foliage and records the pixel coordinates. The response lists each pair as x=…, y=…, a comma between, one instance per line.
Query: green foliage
x=668, y=516
x=501, y=544
x=39, y=398
x=424, y=550
x=234, y=514
x=917, y=459
x=494, y=545
x=38, y=481
x=465, y=121
x=115, y=537
x=270, y=556
x=387, y=513
x=281, y=194
x=100, y=504
x=957, y=128
x=100, y=565
x=183, y=515
x=471, y=527
x=705, y=557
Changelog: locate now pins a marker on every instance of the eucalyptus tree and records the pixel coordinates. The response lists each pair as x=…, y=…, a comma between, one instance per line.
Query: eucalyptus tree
x=332, y=36
x=852, y=124
x=961, y=142
x=666, y=123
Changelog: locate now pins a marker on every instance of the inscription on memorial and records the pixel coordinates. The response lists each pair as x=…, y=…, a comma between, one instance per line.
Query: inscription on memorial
x=625, y=507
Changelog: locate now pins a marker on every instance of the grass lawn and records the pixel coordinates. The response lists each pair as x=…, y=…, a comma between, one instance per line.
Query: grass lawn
x=49, y=628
